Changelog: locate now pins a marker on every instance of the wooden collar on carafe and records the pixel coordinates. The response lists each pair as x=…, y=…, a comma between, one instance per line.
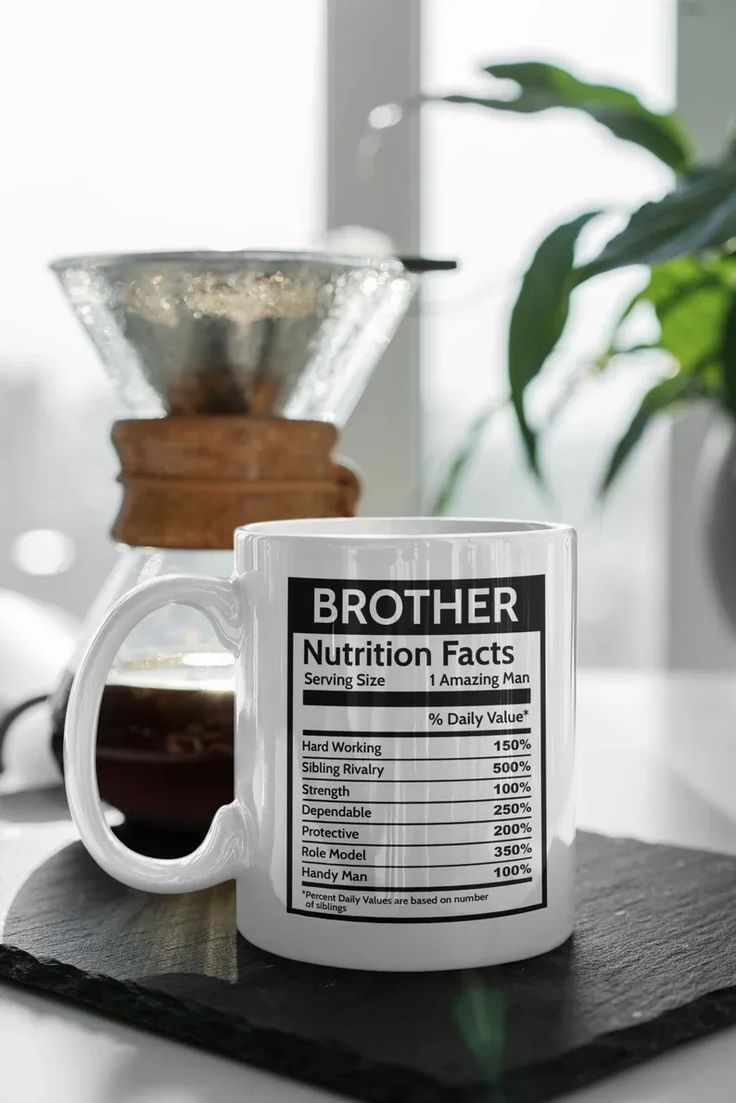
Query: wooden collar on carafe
x=188, y=482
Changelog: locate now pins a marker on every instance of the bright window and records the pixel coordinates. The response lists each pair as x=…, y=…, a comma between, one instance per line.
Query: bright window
x=493, y=185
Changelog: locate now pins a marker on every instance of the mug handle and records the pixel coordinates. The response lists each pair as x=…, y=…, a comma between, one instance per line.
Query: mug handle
x=223, y=851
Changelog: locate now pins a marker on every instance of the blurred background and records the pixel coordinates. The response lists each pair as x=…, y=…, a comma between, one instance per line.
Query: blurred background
x=167, y=126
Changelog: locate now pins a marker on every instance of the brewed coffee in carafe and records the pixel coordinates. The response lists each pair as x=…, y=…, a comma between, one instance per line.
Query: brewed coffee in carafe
x=236, y=369
x=165, y=731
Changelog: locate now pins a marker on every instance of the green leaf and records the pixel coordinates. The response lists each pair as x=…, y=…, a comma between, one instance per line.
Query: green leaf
x=691, y=302
x=538, y=317
x=675, y=280
x=690, y=298
x=699, y=214
x=542, y=86
x=462, y=457
x=603, y=361
x=660, y=397
x=728, y=356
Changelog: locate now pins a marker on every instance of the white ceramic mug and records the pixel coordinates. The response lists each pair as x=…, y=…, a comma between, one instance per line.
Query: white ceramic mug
x=403, y=747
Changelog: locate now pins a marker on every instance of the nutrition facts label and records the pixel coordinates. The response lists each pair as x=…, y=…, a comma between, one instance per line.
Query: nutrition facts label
x=416, y=749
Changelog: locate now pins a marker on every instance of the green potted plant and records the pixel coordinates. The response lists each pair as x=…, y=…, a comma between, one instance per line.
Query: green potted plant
x=686, y=240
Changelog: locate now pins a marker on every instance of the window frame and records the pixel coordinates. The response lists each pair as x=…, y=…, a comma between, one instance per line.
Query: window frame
x=373, y=57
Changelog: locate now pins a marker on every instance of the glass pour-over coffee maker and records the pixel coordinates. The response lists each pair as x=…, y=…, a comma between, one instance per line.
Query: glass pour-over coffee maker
x=237, y=369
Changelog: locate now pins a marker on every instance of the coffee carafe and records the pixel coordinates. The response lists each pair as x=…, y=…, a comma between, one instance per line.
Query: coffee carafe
x=237, y=370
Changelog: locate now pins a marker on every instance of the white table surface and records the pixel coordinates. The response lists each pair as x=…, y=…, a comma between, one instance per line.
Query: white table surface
x=667, y=740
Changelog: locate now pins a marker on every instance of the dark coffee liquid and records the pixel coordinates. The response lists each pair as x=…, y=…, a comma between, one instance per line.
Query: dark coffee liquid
x=164, y=747
x=176, y=723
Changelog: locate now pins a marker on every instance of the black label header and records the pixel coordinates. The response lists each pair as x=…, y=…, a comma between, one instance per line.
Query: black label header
x=340, y=606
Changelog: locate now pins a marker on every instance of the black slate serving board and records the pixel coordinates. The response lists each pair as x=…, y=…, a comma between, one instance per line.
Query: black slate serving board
x=651, y=965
